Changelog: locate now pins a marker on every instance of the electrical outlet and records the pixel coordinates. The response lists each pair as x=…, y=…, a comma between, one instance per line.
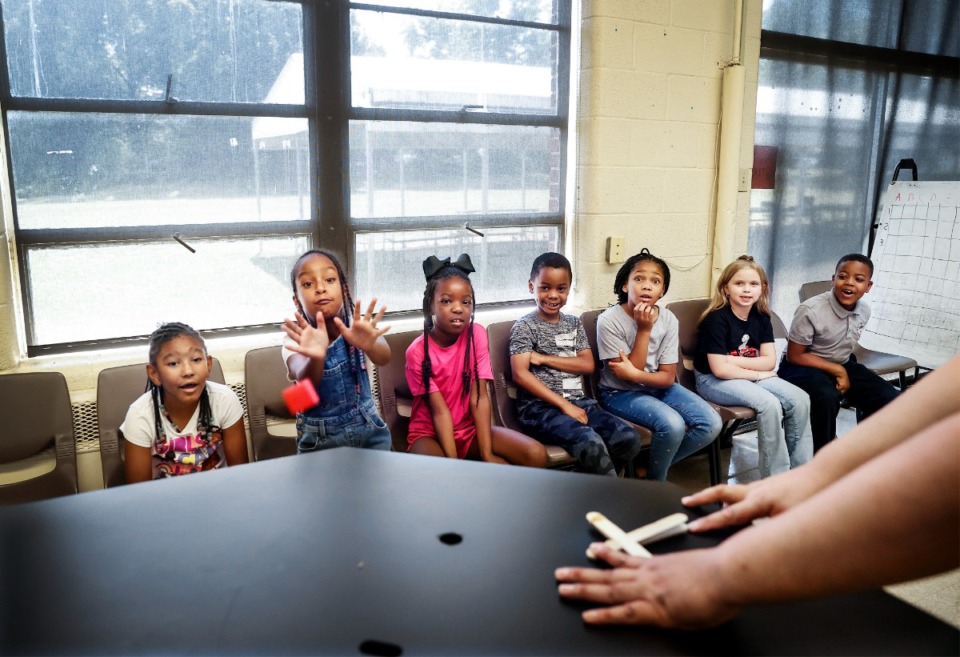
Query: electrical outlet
x=614, y=250
x=746, y=179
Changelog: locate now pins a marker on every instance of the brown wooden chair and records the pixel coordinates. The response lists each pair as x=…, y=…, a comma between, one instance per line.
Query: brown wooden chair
x=505, y=392
x=35, y=416
x=688, y=315
x=879, y=362
x=117, y=388
x=273, y=431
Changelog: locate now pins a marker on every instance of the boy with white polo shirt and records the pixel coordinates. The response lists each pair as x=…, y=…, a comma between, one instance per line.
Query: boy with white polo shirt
x=819, y=357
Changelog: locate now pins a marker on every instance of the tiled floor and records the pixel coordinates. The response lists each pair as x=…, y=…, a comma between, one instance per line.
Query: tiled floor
x=938, y=595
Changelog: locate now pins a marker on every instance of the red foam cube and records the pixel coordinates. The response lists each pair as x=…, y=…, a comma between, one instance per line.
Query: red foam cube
x=301, y=396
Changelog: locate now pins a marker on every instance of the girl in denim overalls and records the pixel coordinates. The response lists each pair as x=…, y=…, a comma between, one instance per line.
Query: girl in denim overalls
x=327, y=345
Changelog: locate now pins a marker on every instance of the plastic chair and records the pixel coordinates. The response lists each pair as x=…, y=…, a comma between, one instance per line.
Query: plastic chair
x=35, y=415
x=688, y=315
x=505, y=392
x=117, y=388
x=879, y=362
x=265, y=377
x=393, y=393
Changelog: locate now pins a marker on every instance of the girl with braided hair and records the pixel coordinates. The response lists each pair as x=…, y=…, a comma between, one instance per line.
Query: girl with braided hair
x=447, y=369
x=183, y=423
x=328, y=343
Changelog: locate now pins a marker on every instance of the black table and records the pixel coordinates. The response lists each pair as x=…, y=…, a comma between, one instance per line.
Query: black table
x=354, y=552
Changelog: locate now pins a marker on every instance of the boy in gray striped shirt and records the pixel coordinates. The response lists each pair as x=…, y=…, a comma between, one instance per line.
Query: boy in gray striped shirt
x=550, y=355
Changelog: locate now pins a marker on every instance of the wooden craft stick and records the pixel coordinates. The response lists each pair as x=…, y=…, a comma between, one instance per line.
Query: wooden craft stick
x=609, y=529
x=658, y=530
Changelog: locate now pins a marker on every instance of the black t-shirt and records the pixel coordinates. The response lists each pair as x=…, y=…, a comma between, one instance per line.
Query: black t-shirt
x=722, y=332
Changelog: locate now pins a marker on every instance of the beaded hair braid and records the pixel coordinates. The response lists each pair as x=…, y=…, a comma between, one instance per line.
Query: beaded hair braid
x=346, y=314
x=164, y=334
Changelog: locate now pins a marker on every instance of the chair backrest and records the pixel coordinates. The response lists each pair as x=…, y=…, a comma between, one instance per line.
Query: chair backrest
x=504, y=389
x=688, y=316
x=35, y=415
x=814, y=288
x=117, y=388
x=393, y=393
x=589, y=320
x=265, y=378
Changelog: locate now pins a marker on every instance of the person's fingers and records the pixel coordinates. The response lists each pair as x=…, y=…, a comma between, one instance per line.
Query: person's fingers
x=382, y=330
x=379, y=315
x=635, y=612
x=736, y=514
x=368, y=316
x=606, y=576
x=719, y=493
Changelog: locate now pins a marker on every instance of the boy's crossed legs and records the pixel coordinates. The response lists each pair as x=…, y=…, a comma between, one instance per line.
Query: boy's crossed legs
x=604, y=445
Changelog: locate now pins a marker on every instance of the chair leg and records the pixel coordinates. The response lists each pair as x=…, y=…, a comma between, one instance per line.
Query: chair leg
x=903, y=380
x=716, y=474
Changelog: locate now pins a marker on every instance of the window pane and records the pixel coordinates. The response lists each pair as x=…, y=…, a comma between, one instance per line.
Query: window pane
x=216, y=50
x=821, y=121
x=400, y=169
x=931, y=27
x=90, y=170
x=855, y=21
x=128, y=289
x=429, y=63
x=924, y=124
x=502, y=259
x=538, y=11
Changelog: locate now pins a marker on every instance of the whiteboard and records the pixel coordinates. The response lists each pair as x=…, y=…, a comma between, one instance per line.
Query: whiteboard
x=915, y=297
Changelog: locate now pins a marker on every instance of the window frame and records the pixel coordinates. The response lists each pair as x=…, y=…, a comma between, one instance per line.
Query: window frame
x=326, y=53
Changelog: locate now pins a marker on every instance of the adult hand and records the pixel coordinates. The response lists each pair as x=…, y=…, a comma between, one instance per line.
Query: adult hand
x=679, y=590
x=760, y=499
x=308, y=340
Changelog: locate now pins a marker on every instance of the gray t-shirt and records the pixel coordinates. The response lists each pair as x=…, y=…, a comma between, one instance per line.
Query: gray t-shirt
x=827, y=328
x=617, y=330
x=565, y=338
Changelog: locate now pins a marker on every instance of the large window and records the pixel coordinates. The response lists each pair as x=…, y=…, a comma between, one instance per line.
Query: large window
x=847, y=88
x=169, y=160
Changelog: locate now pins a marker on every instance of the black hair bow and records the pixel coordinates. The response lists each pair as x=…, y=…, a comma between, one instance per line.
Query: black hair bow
x=433, y=265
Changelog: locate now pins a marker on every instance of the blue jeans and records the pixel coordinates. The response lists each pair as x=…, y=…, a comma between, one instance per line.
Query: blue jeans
x=604, y=445
x=681, y=422
x=783, y=417
x=361, y=427
x=346, y=414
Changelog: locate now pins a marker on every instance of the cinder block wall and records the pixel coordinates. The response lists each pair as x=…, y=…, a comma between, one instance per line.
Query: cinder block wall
x=649, y=107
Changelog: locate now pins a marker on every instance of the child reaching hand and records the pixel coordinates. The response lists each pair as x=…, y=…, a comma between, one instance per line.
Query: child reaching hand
x=549, y=355
x=639, y=344
x=447, y=369
x=736, y=361
x=183, y=423
x=326, y=344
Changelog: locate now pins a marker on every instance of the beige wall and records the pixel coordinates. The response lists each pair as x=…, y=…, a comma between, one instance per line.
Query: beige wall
x=647, y=134
x=648, y=109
